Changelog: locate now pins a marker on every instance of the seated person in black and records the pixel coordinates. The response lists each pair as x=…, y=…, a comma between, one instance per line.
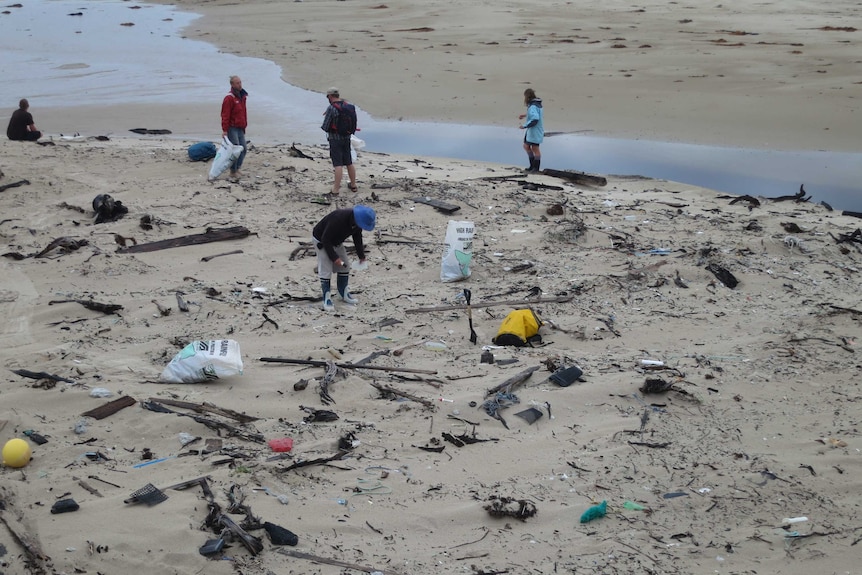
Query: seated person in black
x=21, y=126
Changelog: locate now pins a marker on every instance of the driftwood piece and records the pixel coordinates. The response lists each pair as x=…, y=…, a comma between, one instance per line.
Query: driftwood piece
x=751, y=200
x=63, y=243
x=389, y=389
x=110, y=408
x=212, y=257
x=41, y=375
x=150, y=131
x=852, y=214
x=289, y=298
x=798, y=197
x=554, y=299
x=392, y=239
x=163, y=311
x=37, y=560
x=513, y=381
x=335, y=562
x=211, y=235
x=207, y=421
x=203, y=481
x=206, y=408
x=106, y=308
x=252, y=543
x=295, y=152
x=307, y=249
x=439, y=205
x=723, y=275
x=5, y=187
x=846, y=309
x=576, y=177
x=328, y=379
x=320, y=363
x=181, y=303
x=318, y=461
x=855, y=236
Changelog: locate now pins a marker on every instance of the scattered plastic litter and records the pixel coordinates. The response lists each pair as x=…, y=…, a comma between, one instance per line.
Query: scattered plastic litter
x=595, y=512
x=791, y=520
x=675, y=494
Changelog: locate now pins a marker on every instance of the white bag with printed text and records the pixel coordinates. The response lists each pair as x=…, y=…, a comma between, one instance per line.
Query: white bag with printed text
x=202, y=361
x=458, y=251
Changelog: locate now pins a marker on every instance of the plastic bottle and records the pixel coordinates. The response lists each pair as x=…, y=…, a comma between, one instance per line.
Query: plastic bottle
x=791, y=520
x=435, y=345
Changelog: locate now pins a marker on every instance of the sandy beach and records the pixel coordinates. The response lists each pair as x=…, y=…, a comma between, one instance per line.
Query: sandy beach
x=717, y=415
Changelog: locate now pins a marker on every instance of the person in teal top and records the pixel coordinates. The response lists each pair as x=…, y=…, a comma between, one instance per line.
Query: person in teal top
x=535, y=129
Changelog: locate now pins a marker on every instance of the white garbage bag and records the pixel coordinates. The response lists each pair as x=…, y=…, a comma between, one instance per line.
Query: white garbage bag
x=227, y=153
x=458, y=251
x=202, y=361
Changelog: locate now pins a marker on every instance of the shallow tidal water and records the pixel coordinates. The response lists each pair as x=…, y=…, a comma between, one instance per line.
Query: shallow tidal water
x=61, y=53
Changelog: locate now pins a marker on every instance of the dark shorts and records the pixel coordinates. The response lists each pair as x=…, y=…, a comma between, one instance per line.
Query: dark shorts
x=339, y=152
x=528, y=142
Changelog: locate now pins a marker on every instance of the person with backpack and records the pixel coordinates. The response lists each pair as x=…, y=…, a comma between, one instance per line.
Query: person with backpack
x=535, y=129
x=234, y=121
x=339, y=123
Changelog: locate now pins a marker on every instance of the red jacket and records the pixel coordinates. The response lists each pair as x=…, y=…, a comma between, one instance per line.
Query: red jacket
x=233, y=112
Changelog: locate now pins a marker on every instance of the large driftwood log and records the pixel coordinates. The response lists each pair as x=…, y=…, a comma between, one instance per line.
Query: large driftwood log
x=211, y=235
x=576, y=177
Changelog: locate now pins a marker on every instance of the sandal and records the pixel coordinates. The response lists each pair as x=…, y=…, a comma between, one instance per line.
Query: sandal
x=353, y=188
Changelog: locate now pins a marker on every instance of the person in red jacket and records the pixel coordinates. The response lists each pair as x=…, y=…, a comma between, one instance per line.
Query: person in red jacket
x=234, y=121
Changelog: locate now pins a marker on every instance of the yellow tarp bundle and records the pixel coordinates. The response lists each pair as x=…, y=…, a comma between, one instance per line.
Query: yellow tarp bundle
x=520, y=328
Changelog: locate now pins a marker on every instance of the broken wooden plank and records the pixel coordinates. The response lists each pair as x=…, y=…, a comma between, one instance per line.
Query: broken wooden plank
x=319, y=363
x=576, y=177
x=211, y=235
x=110, y=408
x=554, y=299
x=440, y=205
x=206, y=408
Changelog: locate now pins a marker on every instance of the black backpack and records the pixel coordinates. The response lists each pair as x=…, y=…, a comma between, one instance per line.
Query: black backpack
x=345, y=121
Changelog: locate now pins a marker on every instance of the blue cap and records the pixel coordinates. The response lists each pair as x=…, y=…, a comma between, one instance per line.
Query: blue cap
x=365, y=217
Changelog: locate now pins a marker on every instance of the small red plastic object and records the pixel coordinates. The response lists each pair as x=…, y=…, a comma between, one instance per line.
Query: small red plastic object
x=282, y=444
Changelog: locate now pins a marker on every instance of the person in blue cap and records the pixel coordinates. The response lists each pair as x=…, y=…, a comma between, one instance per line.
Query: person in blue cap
x=328, y=237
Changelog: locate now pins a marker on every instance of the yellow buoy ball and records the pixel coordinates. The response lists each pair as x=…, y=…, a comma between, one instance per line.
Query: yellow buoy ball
x=16, y=453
